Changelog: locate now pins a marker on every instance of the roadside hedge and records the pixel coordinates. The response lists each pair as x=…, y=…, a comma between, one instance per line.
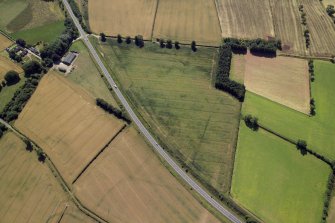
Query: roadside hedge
x=222, y=81
x=111, y=109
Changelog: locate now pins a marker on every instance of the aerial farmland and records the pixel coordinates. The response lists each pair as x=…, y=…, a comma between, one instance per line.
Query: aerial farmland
x=190, y=111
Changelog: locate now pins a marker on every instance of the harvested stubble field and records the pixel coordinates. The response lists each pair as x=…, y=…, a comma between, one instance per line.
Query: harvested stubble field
x=73, y=215
x=127, y=183
x=63, y=120
x=321, y=28
x=281, y=79
x=125, y=17
x=188, y=20
x=248, y=19
x=7, y=65
x=172, y=91
x=317, y=130
x=274, y=181
x=28, y=190
x=4, y=42
x=287, y=26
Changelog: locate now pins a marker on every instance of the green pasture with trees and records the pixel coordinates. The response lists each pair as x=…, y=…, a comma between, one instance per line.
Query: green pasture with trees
x=275, y=181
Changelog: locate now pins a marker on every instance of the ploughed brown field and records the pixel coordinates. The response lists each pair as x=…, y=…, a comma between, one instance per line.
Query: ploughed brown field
x=127, y=183
x=125, y=17
x=281, y=79
x=63, y=120
x=247, y=19
x=188, y=20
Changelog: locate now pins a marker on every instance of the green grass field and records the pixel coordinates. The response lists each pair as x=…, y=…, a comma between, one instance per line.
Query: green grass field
x=9, y=10
x=7, y=93
x=274, y=181
x=87, y=75
x=45, y=33
x=319, y=130
x=173, y=94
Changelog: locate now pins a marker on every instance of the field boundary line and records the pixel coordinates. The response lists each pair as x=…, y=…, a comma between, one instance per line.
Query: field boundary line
x=154, y=22
x=58, y=176
x=98, y=153
x=62, y=215
x=218, y=16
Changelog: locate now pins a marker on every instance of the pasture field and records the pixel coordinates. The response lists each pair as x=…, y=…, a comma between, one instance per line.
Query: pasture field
x=63, y=120
x=317, y=130
x=245, y=18
x=321, y=28
x=4, y=42
x=36, y=13
x=281, y=79
x=28, y=190
x=87, y=75
x=9, y=10
x=123, y=185
x=188, y=20
x=45, y=33
x=273, y=180
x=287, y=26
x=125, y=17
x=172, y=92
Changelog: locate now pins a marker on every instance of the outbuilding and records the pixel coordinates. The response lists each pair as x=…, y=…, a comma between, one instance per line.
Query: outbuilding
x=69, y=58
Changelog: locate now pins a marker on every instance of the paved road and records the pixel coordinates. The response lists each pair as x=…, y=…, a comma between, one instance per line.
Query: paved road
x=144, y=131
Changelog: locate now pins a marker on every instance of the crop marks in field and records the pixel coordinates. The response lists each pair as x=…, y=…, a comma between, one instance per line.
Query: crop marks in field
x=65, y=122
x=287, y=26
x=172, y=91
x=188, y=20
x=247, y=19
x=28, y=190
x=281, y=79
x=135, y=187
x=125, y=17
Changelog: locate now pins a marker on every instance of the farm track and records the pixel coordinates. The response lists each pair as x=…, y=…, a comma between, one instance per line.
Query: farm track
x=227, y=213
x=58, y=177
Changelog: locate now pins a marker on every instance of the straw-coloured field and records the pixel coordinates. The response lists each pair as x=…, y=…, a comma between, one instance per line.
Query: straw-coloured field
x=188, y=20
x=127, y=183
x=7, y=65
x=248, y=19
x=65, y=122
x=125, y=17
x=4, y=42
x=282, y=79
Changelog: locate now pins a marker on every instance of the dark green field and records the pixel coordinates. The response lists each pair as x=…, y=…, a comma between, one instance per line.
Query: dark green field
x=171, y=89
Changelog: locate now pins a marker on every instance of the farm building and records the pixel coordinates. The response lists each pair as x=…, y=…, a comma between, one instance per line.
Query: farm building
x=69, y=58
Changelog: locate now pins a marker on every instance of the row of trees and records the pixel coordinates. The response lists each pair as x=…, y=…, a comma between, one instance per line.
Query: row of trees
x=328, y=196
x=222, y=81
x=77, y=13
x=111, y=109
x=304, y=23
x=22, y=95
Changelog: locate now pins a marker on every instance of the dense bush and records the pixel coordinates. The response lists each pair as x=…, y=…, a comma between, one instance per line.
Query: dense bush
x=128, y=40
x=222, y=81
x=111, y=109
x=302, y=146
x=119, y=38
x=251, y=122
x=32, y=67
x=103, y=37
x=12, y=77
x=194, y=46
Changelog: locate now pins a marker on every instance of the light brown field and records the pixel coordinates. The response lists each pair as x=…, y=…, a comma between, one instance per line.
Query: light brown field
x=4, y=42
x=63, y=120
x=125, y=17
x=28, y=191
x=73, y=215
x=282, y=79
x=321, y=28
x=248, y=19
x=331, y=213
x=7, y=65
x=188, y=20
x=287, y=26
x=127, y=183
x=328, y=2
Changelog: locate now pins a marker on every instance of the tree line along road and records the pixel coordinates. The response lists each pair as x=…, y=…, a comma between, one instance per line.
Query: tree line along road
x=229, y=215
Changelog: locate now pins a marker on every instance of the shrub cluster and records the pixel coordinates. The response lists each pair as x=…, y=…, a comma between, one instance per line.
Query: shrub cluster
x=139, y=41
x=56, y=49
x=251, y=122
x=311, y=70
x=304, y=23
x=312, y=107
x=222, y=81
x=331, y=12
x=111, y=109
x=257, y=46
x=12, y=110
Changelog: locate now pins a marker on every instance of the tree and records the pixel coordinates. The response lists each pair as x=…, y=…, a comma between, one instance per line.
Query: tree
x=29, y=146
x=139, y=41
x=48, y=62
x=176, y=45
x=302, y=146
x=119, y=38
x=162, y=43
x=21, y=42
x=194, y=46
x=169, y=44
x=32, y=67
x=128, y=40
x=251, y=122
x=12, y=77
x=102, y=37
x=330, y=10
